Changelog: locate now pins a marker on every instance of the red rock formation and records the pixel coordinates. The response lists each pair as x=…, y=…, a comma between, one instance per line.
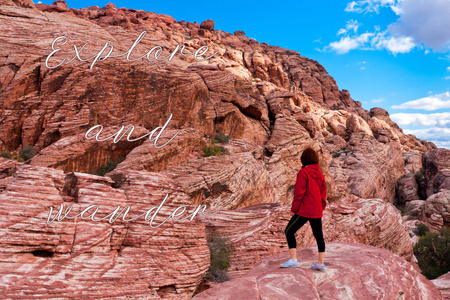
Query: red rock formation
x=258, y=230
x=407, y=188
x=367, y=168
x=273, y=103
x=436, y=210
x=225, y=182
x=81, y=258
x=436, y=164
x=347, y=277
x=443, y=284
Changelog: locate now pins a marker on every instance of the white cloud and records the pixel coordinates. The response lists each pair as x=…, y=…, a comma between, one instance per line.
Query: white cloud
x=402, y=44
x=432, y=102
x=379, y=100
x=319, y=40
x=364, y=6
x=447, y=77
x=427, y=21
x=351, y=25
x=420, y=22
x=372, y=41
x=448, y=69
x=441, y=120
x=345, y=44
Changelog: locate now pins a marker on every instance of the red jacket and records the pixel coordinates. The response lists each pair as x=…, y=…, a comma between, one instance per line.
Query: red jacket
x=310, y=192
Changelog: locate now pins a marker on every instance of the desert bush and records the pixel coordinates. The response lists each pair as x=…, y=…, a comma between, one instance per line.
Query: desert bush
x=27, y=152
x=421, y=229
x=6, y=154
x=433, y=253
x=221, y=138
x=336, y=154
x=219, y=250
x=214, y=150
x=109, y=166
x=402, y=209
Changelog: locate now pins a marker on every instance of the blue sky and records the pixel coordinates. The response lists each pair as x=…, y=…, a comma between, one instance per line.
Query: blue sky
x=393, y=54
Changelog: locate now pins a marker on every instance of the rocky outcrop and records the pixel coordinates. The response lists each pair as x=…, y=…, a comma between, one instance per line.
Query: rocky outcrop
x=367, y=168
x=443, y=284
x=257, y=231
x=76, y=153
x=346, y=277
x=407, y=188
x=225, y=182
x=97, y=259
x=436, y=164
x=187, y=145
x=436, y=210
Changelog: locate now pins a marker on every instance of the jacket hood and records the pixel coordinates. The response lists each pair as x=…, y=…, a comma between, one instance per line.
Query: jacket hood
x=313, y=171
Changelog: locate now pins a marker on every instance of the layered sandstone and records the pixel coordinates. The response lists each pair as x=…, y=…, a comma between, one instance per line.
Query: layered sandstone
x=347, y=277
x=82, y=258
x=272, y=102
x=443, y=284
x=258, y=230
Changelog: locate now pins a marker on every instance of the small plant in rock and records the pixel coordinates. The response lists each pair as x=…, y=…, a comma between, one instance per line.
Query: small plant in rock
x=336, y=154
x=421, y=229
x=214, y=150
x=6, y=154
x=109, y=166
x=221, y=138
x=27, y=152
x=402, y=209
x=420, y=175
x=220, y=258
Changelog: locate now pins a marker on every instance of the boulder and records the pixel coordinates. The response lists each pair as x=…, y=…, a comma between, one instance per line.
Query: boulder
x=443, y=284
x=407, y=188
x=346, y=277
x=436, y=164
x=436, y=210
x=208, y=25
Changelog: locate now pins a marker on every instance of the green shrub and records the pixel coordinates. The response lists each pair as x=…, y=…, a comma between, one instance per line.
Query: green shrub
x=220, y=258
x=214, y=150
x=421, y=229
x=402, y=209
x=6, y=154
x=336, y=154
x=27, y=152
x=109, y=166
x=433, y=253
x=420, y=175
x=221, y=138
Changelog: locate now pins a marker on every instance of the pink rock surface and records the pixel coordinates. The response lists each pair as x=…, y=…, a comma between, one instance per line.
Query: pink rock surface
x=436, y=164
x=81, y=258
x=443, y=284
x=258, y=231
x=350, y=274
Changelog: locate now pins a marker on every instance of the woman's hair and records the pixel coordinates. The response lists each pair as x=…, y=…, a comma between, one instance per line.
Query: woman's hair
x=309, y=157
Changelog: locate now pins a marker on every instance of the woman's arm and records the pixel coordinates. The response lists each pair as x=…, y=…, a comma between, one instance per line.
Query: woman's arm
x=299, y=191
x=323, y=193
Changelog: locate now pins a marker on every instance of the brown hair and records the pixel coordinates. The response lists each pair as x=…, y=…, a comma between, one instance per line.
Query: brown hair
x=309, y=157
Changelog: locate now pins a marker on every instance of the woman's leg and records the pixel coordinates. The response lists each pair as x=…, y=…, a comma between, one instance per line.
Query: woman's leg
x=294, y=224
x=316, y=226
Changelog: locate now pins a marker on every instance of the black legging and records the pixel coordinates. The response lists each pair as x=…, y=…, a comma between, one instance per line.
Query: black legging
x=296, y=223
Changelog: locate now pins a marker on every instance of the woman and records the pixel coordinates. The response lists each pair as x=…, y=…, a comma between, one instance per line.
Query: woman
x=308, y=205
